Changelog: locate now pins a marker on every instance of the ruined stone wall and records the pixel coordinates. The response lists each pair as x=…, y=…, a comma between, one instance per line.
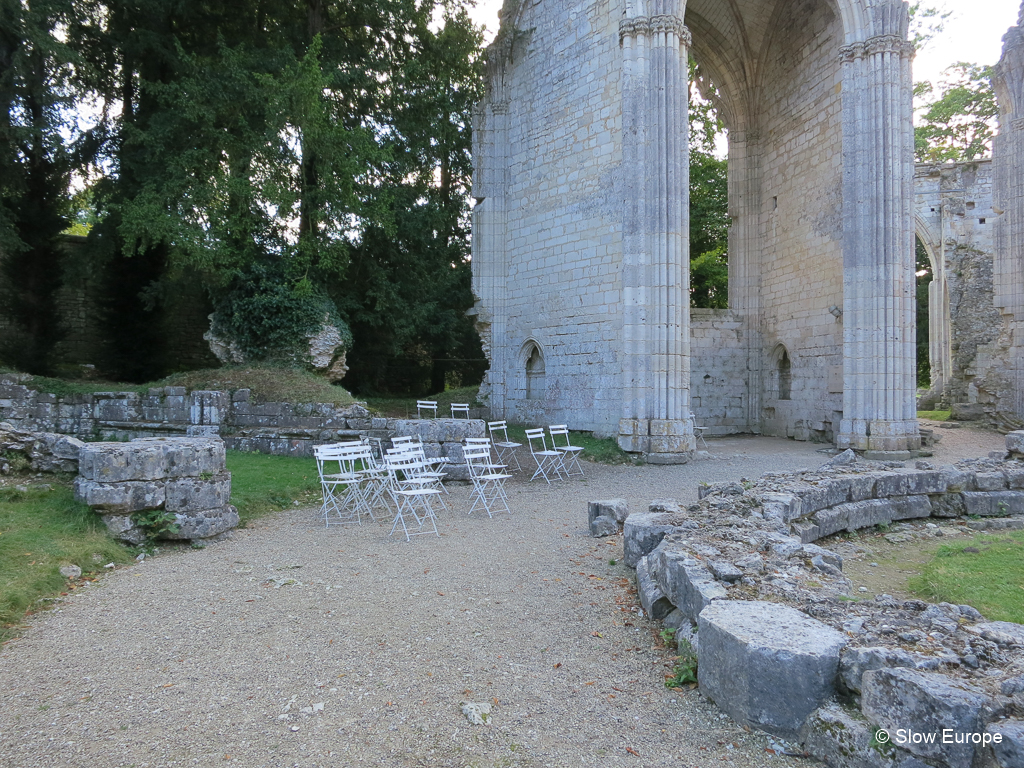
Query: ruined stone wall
x=560, y=286
x=718, y=377
x=801, y=224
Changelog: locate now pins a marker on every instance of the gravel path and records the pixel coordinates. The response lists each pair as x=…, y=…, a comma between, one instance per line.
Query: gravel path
x=209, y=657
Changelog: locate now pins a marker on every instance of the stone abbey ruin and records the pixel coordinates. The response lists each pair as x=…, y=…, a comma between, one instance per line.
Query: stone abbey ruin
x=580, y=252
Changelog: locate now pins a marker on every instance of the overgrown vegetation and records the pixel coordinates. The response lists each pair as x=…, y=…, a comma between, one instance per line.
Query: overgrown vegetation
x=986, y=572
x=685, y=670
x=40, y=531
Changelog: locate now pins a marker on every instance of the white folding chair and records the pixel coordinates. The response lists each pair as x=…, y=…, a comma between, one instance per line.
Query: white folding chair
x=421, y=470
x=426, y=405
x=340, y=483
x=698, y=432
x=488, y=481
x=546, y=459
x=570, y=453
x=482, y=442
x=505, y=448
x=412, y=499
x=460, y=410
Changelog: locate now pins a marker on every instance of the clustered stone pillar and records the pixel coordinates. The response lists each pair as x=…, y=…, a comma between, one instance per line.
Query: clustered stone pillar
x=1008, y=198
x=879, y=351
x=656, y=266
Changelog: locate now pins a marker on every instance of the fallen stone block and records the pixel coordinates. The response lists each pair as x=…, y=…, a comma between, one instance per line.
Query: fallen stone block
x=617, y=509
x=642, y=532
x=925, y=703
x=784, y=506
x=603, y=526
x=654, y=602
x=1015, y=443
x=123, y=528
x=723, y=570
x=854, y=662
x=767, y=665
x=684, y=579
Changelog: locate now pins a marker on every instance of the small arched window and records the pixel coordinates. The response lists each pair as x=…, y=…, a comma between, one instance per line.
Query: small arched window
x=785, y=373
x=536, y=385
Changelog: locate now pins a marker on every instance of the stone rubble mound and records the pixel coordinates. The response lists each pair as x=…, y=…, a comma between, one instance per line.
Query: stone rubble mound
x=781, y=645
x=182, y=476
x=42, y=451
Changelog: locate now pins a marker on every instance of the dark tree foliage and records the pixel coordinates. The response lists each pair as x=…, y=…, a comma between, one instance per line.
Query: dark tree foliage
x=408, y=285
x=35, y=163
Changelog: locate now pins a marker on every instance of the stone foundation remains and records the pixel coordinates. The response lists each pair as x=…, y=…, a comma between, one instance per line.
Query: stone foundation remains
x=782, y=647
x=185, y=477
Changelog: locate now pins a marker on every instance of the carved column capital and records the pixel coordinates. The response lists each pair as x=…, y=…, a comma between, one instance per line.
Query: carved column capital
x=875, y=45
x=645, y=26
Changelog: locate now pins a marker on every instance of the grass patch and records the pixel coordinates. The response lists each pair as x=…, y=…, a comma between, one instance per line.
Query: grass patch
x=268, y=384
x=405, y=407
x=986, y=572
x=935, y=415
x=40, y=531
x=262, y=484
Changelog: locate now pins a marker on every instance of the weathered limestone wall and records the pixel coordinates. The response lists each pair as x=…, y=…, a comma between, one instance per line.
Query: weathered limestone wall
x=551, y=137
x=800, y=254
x=718, y=373
x=955, y=222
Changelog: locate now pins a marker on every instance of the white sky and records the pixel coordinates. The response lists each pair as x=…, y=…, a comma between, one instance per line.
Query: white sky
x=973, y=34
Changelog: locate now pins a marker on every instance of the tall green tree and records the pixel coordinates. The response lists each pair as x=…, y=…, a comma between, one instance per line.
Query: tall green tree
x=709, y=199
x=37, y=153
x=959, y=118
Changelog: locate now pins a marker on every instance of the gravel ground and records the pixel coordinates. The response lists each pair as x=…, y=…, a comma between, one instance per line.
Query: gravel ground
x=211, y=657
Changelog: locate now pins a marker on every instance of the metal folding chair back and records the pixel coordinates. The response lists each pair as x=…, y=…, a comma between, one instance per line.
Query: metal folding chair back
x=460, y=410
x=341, y=484
x=570, y=453
x=412, y=499
x=426, y=406
x=698, y=431
x=488, y=480
x=547, y=460
x=505, y=448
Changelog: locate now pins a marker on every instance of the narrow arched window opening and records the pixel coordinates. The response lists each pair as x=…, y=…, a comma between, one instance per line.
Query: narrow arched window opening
x=536, y=383
x=785, y=376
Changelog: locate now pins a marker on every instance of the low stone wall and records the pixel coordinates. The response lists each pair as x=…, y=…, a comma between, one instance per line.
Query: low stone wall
x=37, y=451
x=185, y=477
x=782, y=647
x=245, y=424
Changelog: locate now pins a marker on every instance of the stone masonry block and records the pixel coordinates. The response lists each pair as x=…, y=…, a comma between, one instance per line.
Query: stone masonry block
x=653, y=600
x=684, y=579
x=925, y=702
x=187, y=494
x=990, y=481
x=948, y=505
x=994, y=503
x=205, y=523
x=151, y=459
x=1015, y=442
x=121, y=498
x=842, y=738
x=783, y=505
x=617, y=509
x=909, y=507
x=768, y=665
x=642, y=532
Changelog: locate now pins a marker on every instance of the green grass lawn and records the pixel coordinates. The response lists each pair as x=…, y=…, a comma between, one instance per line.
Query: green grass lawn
x=934, y=415
x=40, y=531
x=986, y=572
x=262, y=484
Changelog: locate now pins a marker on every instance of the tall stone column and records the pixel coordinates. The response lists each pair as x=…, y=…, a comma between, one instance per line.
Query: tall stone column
x=879, y=355
x=1008, y=198
x=656, y=264
x=490, y=257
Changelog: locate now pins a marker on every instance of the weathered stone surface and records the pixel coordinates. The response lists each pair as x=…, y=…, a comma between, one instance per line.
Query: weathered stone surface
x=205, y=524
x=1002, y=632
x=687, y=583
x=603, y=526
x=1015, y=442
x=854, y=662
x=842, y=738
x=990, y=481
x=948, y=505
x=654, y=602
x=151, y=459
x=642, y=532
x=122, y=527
x=723, y=570
x=121, y=498
x=925, y=702
x=769, y=666
x=1009, y=751
x=993, y=503
x=441, y=430
x=188, y=494
x=908, y=507
x=616, y=509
